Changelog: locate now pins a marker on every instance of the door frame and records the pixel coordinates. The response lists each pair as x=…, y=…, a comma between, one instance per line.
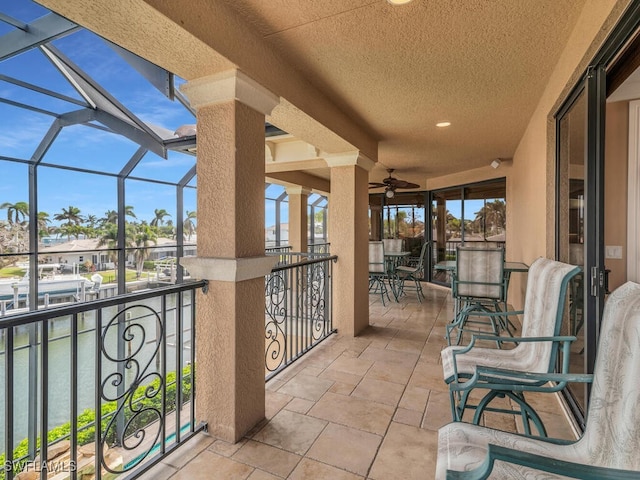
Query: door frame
x=593, y=83
x=633, y=202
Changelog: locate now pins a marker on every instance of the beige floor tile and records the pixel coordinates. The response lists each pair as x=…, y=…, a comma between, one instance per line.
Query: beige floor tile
x=274, y=384
x=438, y=412
x=267, y=458
x=354, y=366
x=430, y=355
x=556, y=426
x=413, y=335
x=390, y=372
x=226, y=449
x=346, y=448
x=429, y=377
x=350, y=344
x=190, y=450
x=407, y=453
x=311, y=470
x=390, y=356
x=161, y=471
x=274, y=402
x=208, y=464
x=291, y=431
x=307, y=387
x=353, y=412
x=408, y=417
x=499, y=421
x=300, y=405
x=543, y=402
x=366, y=370
x=311, y=370
x=414, y=398
x=341, y=388
x=379, y=391
x=261, y=475
x=342, y=377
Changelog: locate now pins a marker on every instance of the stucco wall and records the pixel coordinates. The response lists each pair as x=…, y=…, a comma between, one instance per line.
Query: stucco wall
x=531, y=189
x=615, y=188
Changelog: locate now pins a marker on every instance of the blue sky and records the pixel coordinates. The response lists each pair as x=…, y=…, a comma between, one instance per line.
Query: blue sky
x=80, y=146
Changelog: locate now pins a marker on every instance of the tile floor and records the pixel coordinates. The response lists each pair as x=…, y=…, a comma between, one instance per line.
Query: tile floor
x=353, y=408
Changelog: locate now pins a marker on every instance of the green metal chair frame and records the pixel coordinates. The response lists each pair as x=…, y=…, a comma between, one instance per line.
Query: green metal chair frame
x=415, y=274
x=506, y=373
x=378, y=270
x=608, y=448
x=479, y=289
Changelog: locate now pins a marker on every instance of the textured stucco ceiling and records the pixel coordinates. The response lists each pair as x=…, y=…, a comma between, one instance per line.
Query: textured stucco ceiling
x=375, y=76
x=398, y=70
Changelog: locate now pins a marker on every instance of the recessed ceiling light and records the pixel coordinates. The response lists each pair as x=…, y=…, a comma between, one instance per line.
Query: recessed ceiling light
x=443, y=124
x=398, y=2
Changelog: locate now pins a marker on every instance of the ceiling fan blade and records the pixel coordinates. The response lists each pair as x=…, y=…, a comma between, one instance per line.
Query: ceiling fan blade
x=403, y=184
x=376, y=185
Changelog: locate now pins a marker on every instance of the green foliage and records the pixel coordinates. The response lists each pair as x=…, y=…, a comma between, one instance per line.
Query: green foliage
x=86, y=420
x=9, y=272
x=149, y=265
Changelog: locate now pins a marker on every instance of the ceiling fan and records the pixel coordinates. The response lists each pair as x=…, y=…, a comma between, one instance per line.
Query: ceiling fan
x=390, y=184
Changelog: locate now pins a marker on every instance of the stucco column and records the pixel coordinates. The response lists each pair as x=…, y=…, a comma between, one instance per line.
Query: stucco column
x=348, y=224
x=230, y=321
x=298, y=220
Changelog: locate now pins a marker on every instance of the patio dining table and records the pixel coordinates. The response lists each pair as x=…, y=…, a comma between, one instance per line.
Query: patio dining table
x=508, y=269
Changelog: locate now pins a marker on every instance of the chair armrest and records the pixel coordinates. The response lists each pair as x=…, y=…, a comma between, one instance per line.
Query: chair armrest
x=514, y=380
x=539, y=462
x=494, y=338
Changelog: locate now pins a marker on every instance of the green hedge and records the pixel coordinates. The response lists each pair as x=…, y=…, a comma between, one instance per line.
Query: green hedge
x=86, y=420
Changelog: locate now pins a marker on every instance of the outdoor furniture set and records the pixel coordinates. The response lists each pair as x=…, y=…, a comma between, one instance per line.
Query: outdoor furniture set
x=536, y=361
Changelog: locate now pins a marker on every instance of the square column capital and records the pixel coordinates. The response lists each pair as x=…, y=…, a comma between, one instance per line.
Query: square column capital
x=297, y=190
x=227, y=86
x=229, y=269
x=349, y=158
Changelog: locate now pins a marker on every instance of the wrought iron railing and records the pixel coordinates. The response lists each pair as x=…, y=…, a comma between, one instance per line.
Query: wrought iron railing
x=319, y=247
x=126, y=361
x=298, y=309
x=282, y=249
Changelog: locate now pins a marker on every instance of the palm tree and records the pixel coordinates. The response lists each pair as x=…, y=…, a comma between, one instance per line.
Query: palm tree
x=492, y=217
x=91, y=221
x=109, y=239
x=43, y=227
x=15, y=211
x=110, y=216
x=69, y=215
x=158, y=220
x=189, y=225
x=142, y=240
x=128, y=211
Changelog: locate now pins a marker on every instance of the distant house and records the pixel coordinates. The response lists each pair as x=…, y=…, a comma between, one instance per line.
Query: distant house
x=271, y=235
x=79, y=251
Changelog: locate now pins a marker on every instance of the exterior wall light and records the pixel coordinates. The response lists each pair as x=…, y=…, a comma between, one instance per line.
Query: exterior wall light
x=398, y=2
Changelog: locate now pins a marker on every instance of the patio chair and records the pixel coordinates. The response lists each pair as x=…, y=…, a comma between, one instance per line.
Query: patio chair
x=479, y=290
x=535, y=351
x=412, y=273
x=392, y=244
x=378, y=270
x=611, y=440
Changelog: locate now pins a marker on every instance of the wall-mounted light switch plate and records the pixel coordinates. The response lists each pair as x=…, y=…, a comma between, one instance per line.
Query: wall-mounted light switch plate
x=613, y=251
